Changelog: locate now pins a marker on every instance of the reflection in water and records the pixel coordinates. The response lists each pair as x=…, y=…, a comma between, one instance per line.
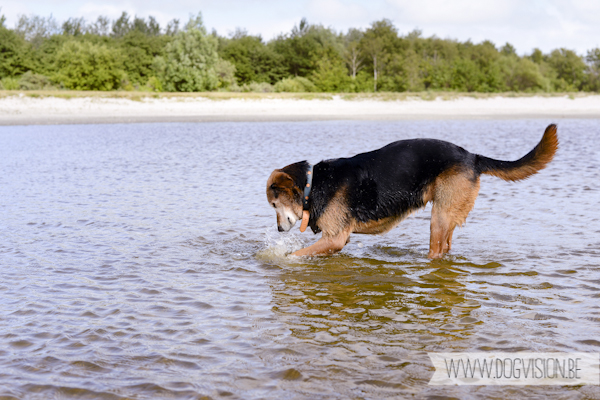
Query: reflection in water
x=142, y=261
x=370, y=321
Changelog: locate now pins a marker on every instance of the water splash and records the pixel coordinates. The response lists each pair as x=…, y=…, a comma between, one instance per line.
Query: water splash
x=278, y=245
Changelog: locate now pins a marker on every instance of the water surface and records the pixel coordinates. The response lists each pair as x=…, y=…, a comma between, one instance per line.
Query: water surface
x=142, y=261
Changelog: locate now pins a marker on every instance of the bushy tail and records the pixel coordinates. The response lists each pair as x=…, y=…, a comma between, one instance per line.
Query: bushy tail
x=526, y=166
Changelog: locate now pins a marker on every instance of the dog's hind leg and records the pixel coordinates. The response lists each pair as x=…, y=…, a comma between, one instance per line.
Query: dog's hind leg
x=453, y=198
x=441, y=234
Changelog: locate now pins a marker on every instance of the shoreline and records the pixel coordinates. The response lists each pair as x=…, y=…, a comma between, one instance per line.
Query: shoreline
x=92, y=108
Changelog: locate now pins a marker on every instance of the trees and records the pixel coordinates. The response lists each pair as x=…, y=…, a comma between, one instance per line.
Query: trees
x=35, y=29
x=15, y=54
x=522, y=74
x=570, y=70
x=88, y=66
x=331, y=74
x=378, y=42
x=254, y=61
x=122, y=26
x=140, y=50
x=593, y=60
x=74, y=27
x=225, y=73
x=100, y=28
x=189, y=60
x=304, y=47
x=352, y=53
x=139, y=54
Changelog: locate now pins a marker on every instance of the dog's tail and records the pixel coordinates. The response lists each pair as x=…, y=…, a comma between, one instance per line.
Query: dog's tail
x=528, y=165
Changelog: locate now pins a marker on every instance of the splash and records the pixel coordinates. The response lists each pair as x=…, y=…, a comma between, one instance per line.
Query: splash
x=277, y=245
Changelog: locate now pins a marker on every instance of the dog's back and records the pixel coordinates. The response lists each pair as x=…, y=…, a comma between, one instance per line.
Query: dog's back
x=392, y=180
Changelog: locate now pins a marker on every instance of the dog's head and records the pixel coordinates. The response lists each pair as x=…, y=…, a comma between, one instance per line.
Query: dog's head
x=285, y=196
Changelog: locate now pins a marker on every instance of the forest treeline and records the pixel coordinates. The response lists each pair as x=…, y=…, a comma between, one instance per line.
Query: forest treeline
x=132, y=53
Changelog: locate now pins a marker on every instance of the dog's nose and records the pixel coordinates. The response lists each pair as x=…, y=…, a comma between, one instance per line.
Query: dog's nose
x=279, y=228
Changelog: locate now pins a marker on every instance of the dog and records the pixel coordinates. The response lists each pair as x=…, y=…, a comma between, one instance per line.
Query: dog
x=372, y=192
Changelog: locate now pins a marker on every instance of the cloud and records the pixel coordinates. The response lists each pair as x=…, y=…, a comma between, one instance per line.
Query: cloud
x=547, y=24
x=455, y=12
x=526, y=24
x=338, y=11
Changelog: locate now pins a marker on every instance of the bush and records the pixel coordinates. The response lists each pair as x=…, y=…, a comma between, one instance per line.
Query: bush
x=295, y=85
x=88, y=66
x=522, y=74
x=260, y=87
x=31, y=81
x=256, y=87
x=225, y=72
x=331, y=75
x=9, y=84
x=154, y=84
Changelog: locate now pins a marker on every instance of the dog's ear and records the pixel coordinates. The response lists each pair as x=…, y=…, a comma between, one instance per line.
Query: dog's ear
x=280, y=182
x=283, y=181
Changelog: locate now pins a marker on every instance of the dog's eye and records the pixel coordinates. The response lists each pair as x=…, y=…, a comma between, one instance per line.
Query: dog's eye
x=274, y=205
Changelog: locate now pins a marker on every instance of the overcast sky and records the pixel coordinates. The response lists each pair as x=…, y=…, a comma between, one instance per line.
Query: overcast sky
x=550, y=24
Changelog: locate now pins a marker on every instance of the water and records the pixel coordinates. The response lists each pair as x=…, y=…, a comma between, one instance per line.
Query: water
x=142, y=261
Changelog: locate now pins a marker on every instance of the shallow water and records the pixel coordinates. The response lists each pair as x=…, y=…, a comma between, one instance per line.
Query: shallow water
x=143, y=261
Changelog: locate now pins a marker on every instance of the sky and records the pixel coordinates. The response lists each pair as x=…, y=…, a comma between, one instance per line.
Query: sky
x=526, y=24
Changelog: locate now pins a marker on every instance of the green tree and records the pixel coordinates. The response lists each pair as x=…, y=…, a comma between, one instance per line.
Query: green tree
x=88, y=66
x=45, y=54
x=15, y=54
x=537, y=56
x=331, y=74
x=140, y=50
x=593, y=60
x=101, y=27
x=477, y=68
x=352, y=52
x=74, y=27
x=172, y=27
x=150, y=28
x=225, y=73
x=378, y=43
x=570, y=69
x=407, y=72
x=508, y=50
x=121, y=26
x=438, y=58
x=189, y=61
x=466, y=75
x=254, y=61
x=305, y=46
x=35, y=29
x=522, y=74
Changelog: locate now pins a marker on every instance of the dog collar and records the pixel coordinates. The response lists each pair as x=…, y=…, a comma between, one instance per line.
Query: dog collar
x=307, y=189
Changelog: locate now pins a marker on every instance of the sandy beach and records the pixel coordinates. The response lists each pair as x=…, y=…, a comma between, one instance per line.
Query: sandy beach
x=20, y=109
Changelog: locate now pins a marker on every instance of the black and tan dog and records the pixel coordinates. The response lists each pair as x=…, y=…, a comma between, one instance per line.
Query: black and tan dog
x=372, y=192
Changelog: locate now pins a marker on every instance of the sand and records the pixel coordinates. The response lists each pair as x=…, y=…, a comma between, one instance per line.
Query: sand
x=25, y=110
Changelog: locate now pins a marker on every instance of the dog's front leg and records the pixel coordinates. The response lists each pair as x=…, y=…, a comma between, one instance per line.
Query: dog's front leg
x=325, y=245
